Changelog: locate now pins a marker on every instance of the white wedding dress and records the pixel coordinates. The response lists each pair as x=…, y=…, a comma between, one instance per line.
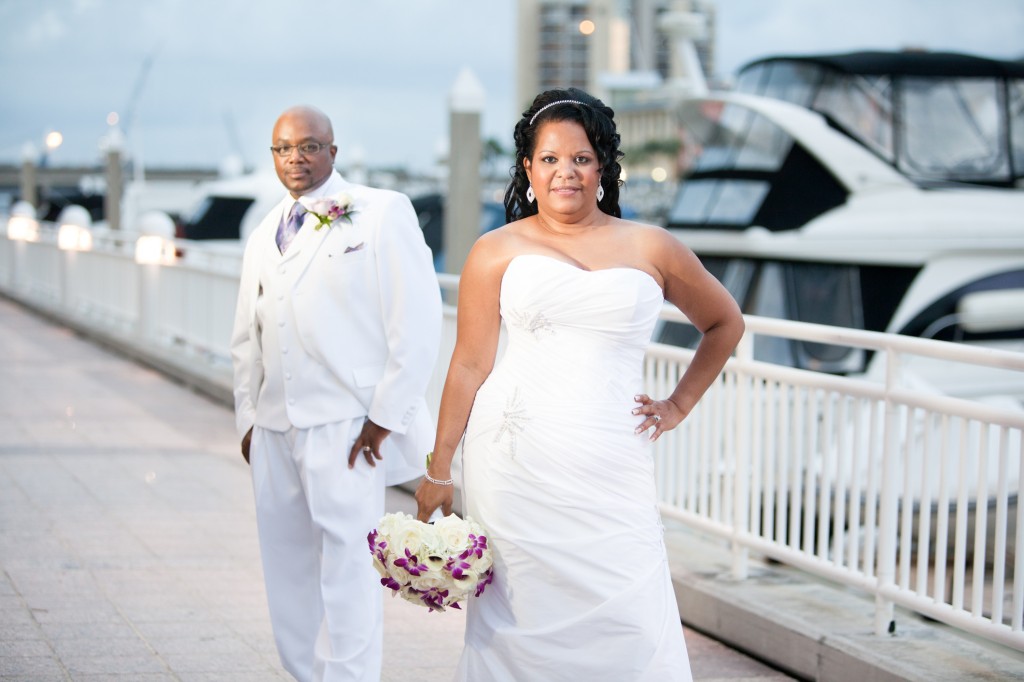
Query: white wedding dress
x=565, y=489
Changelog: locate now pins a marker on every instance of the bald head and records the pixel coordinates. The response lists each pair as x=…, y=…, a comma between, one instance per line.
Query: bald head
x=309, y=116
x=302, y=172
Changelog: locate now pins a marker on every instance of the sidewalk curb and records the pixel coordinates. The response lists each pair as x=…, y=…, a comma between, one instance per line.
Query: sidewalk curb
x=816, y=630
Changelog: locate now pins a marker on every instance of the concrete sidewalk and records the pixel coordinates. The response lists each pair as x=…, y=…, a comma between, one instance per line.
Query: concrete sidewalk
x=127, y=533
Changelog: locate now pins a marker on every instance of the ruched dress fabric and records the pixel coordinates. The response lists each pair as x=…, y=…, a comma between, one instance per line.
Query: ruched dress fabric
x=565, y=488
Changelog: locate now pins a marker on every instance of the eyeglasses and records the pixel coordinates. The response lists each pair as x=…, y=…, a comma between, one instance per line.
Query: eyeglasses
x=305, y=149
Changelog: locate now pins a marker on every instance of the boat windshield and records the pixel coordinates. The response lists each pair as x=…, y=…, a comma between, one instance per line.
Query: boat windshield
x=743, y=169
x=1016, y=97
x=932, y=128
x=217, y=217
x=952, y=129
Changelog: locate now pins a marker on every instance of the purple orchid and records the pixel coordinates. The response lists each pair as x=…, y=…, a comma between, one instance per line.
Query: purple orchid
x=434, y=599
x=378, y=549
x=477, y=546
x=486, y=579
x=458, y=566
x=391, y=583
x=411, y=563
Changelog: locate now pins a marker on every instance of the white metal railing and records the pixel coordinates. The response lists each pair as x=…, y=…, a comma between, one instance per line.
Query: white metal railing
x=909, y=495
x=184, y=307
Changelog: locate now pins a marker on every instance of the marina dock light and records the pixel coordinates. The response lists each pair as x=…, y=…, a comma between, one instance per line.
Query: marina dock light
x=73, y=233
x=154, y=249
x=22, y=225
x=156, y=245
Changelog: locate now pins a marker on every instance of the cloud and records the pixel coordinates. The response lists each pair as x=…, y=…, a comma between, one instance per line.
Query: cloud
x=748, y=29
x=47, y=29
x=382, y=70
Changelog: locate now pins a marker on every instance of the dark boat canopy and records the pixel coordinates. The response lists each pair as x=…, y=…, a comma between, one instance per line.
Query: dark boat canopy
x=909, y=63
x=934, y=116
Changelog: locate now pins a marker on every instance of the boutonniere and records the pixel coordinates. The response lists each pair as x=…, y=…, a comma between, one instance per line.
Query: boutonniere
x=328, y=209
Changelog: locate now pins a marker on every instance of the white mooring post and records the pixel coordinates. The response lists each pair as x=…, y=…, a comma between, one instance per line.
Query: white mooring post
x=462, y=204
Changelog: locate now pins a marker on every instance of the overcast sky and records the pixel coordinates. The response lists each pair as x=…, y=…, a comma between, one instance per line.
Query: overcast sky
x=221, y=70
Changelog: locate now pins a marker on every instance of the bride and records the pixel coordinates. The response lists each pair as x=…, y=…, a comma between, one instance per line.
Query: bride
x=556, y=461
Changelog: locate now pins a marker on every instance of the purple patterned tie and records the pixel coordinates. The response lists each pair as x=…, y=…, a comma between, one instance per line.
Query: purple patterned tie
x=287, y=230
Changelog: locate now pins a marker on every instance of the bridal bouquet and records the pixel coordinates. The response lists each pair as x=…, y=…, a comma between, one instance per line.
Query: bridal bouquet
x=433, y=565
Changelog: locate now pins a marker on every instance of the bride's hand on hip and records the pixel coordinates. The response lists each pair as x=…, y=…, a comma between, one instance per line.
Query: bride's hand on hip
x=430, y=496
x=661, y=415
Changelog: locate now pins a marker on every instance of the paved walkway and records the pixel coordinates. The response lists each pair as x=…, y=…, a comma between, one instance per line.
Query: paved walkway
x=127, y=533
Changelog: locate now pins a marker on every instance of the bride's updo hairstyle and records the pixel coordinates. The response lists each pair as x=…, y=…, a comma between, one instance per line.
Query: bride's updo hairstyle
x=598, y=122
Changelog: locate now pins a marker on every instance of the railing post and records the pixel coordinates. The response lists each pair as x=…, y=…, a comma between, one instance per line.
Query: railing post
x=65, y=292
x=149, y=285
x=741, y=458
x=889, y=504
x=17, y=261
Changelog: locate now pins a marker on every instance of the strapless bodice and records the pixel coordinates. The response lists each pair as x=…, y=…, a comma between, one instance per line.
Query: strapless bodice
x=581, y=333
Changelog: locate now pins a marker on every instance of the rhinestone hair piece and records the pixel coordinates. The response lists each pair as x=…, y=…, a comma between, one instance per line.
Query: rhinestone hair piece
x=548, y=106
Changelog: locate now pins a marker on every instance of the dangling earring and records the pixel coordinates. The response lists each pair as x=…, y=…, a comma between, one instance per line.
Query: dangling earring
x=530, y=196
x=600, y=193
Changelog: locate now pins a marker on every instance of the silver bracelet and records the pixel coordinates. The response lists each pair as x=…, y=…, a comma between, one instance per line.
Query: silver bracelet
x=426, y=474
x=435, y=481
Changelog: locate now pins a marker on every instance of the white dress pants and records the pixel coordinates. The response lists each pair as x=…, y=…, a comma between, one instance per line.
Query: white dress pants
x=313, y=515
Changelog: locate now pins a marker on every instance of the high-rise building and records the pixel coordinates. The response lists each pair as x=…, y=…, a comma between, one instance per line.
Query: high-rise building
x=591, y=43
x=652, y=47
x=562, y=43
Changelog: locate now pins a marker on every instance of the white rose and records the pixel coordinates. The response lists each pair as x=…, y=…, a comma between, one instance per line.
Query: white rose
x=453, y=532
x=407, y=533
x=388, y=522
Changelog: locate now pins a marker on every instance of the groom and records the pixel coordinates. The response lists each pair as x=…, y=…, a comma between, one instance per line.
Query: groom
x=336, y=333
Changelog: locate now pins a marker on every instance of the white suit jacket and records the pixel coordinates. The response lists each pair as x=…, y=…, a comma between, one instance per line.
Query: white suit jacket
x=366, y=308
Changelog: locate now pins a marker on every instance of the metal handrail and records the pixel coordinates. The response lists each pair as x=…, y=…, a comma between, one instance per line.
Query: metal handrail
x=908, y=495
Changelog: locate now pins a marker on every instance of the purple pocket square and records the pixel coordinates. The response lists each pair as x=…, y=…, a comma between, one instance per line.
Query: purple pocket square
x=350, y=249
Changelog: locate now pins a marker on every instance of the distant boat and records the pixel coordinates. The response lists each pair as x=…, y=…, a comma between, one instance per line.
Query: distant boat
x=230, y=209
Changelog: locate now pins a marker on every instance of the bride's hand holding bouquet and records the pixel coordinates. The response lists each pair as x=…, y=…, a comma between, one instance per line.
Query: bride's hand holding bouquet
x=434, y=492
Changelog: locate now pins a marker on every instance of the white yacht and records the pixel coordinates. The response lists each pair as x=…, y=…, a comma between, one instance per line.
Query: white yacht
x=878, y=191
